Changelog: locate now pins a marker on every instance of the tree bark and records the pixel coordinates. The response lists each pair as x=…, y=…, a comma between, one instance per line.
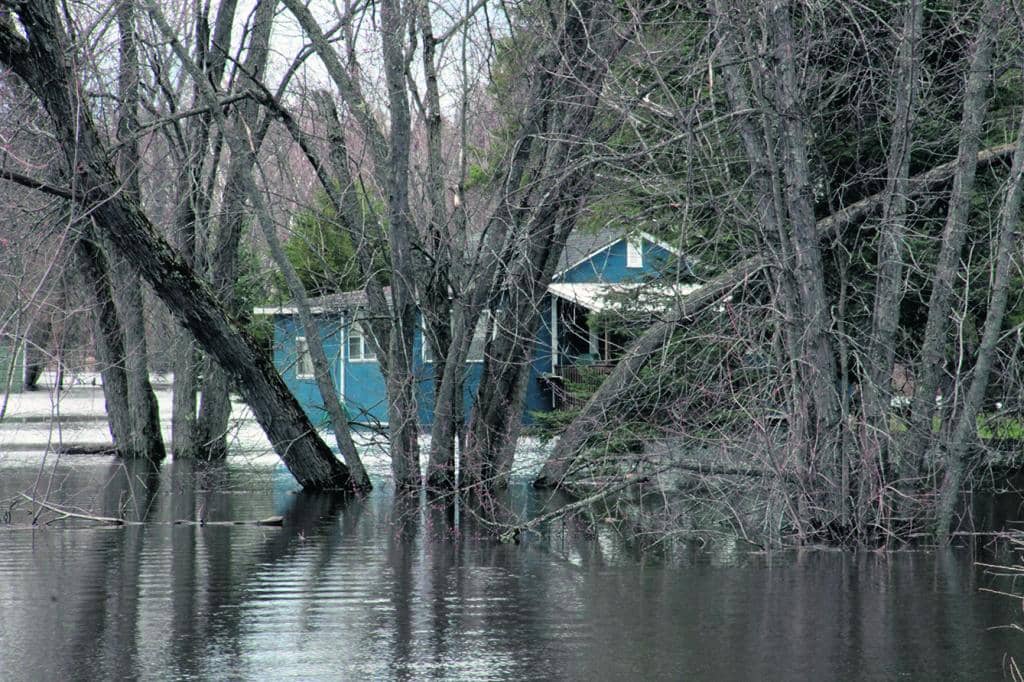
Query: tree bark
x=622, y=379
x=147, y=438
x=40, y=62
x=933, y=349
x=959, y=455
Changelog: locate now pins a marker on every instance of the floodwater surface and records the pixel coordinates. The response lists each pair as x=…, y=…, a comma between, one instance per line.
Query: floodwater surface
x=390, y=588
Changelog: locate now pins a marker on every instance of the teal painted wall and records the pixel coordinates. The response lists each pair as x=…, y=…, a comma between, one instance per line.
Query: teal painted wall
x=364, y=389
x=609, y=265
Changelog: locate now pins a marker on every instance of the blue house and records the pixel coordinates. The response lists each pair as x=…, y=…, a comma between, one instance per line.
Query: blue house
x=593, y=265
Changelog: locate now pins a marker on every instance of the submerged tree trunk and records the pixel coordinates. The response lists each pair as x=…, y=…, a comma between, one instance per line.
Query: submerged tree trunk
x=108, y=338
x=40, y=62
x=145, y=413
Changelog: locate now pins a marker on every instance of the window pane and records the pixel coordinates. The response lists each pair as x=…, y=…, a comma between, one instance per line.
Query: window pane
x=368, y=352
x=355, y=343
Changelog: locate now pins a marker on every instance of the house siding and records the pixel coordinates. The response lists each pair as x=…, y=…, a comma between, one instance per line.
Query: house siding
x=286, y=329
x=609, y=265
x=364, y=386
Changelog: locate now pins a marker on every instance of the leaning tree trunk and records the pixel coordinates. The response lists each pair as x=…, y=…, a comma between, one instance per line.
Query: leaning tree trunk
x=933, y=349
x=40, y=62
x=959, y=455
x=623, y=379
x=321, y=365
x=244, y=148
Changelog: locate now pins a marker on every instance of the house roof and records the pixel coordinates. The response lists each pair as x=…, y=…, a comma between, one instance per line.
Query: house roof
x=581, y=246
x=600, y=297
x=318, y=305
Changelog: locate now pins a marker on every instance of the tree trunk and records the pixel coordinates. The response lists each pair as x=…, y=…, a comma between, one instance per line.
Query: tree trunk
x=41, y=64
x=959, y=455
x=881, y=353
x=215, y=407
x=321, y=365
x=624, y=377
x=584, y=47
x=933, y=350
x=145, y=413
x=108, y=338
x=191, y=218
x=244, y=147
x=816, y=360
x=401, y=382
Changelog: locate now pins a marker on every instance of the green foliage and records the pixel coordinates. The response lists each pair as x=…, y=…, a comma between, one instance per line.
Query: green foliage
x=323, y=254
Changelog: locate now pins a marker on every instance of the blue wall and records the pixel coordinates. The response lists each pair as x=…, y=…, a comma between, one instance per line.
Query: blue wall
x=609, y=265
x=286, y=329
x=364, y=389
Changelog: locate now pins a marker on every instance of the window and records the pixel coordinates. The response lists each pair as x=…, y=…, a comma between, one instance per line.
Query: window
x=634, y=253
x=303, y=360
x=476, y=346
x=360, y=347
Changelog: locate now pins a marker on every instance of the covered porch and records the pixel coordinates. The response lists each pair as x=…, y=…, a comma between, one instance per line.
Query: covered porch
x=585, y=341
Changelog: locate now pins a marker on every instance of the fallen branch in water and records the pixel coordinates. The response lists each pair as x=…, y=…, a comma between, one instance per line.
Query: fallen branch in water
x=512, y=534
x=68, y=514
x=114, y=521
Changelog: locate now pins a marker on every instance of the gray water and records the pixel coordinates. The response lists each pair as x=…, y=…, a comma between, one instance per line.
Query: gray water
x=385, y=588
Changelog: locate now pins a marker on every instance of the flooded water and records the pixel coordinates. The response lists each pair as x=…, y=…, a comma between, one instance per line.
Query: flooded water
x=385, y=588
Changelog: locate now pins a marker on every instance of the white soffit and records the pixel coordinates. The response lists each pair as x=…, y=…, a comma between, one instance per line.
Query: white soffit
x=594, y=296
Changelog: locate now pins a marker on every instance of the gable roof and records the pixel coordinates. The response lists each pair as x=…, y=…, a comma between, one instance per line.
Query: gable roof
x=318, y=305
x=582, y=246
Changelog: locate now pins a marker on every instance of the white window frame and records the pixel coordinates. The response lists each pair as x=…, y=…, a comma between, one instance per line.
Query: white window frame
x=634, y=253
x=485, y=318
x=367, y=353
x=303, y=359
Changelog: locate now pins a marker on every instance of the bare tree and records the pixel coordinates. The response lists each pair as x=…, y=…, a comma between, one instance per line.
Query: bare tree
x=39, y=60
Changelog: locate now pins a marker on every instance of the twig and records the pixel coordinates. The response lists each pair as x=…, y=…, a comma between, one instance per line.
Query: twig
x=74, y=515
x=512, y=534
